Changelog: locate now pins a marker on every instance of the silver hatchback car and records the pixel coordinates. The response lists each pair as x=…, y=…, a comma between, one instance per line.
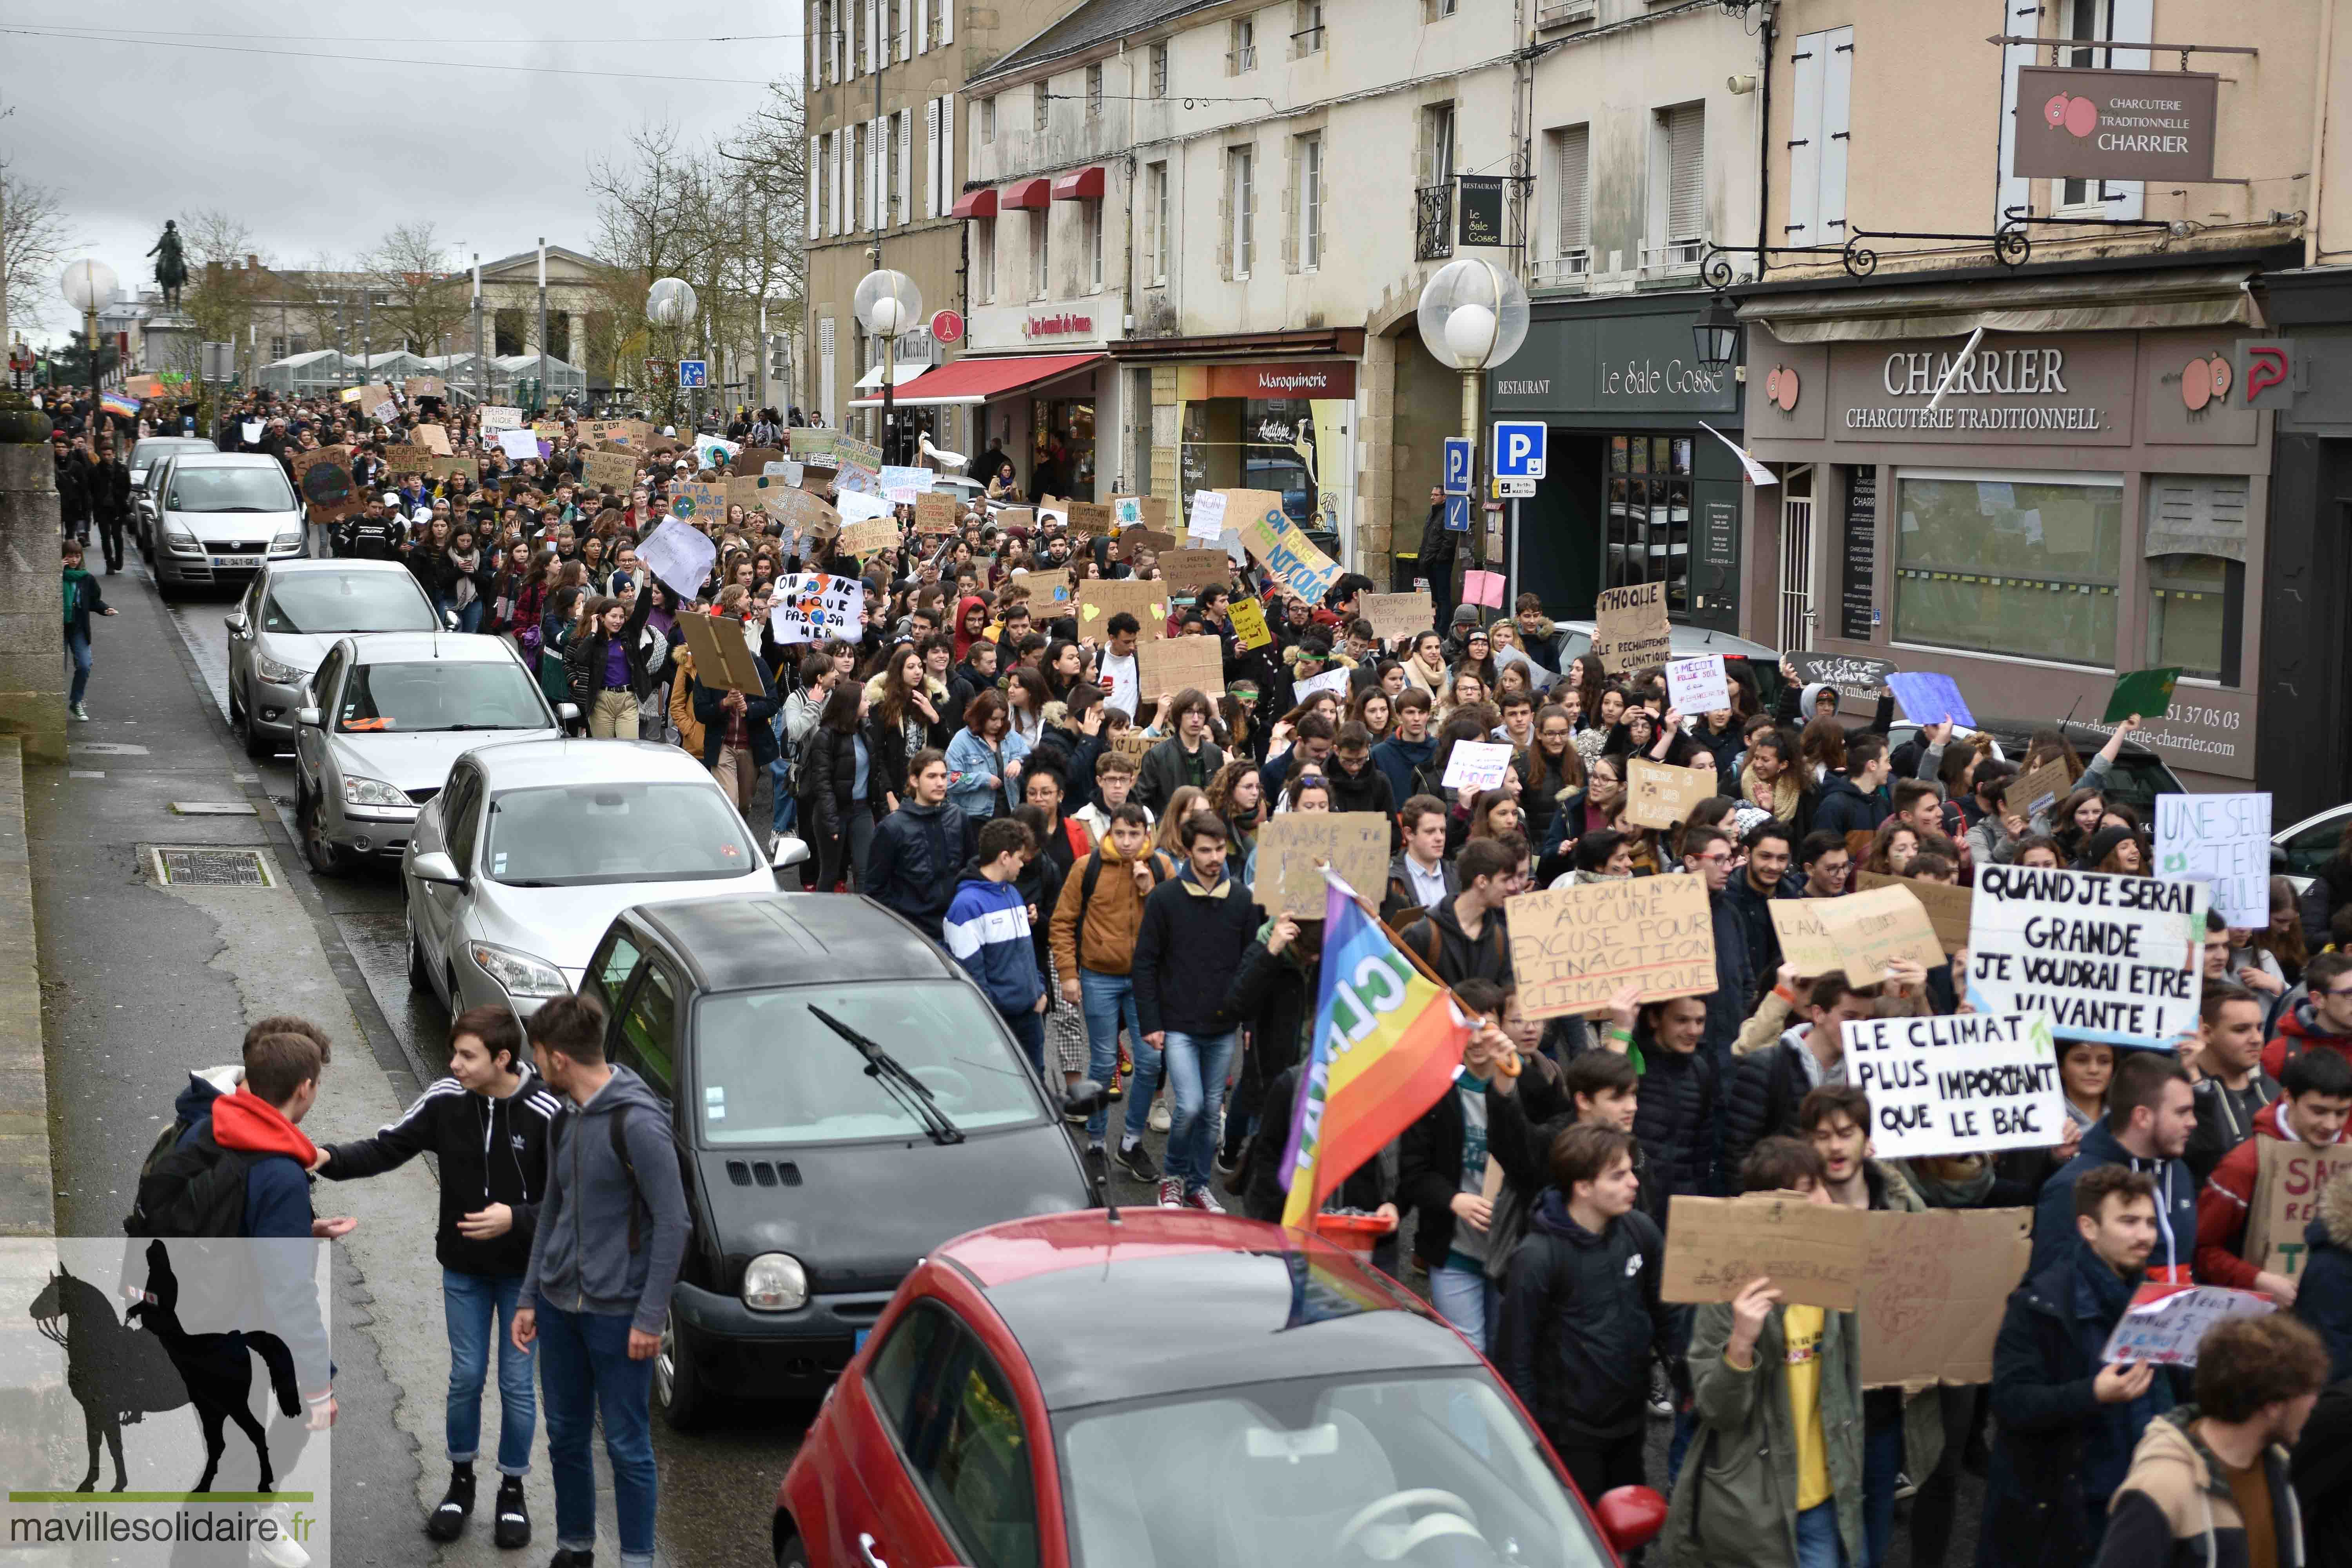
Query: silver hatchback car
x=388, y=715
x=293, y=612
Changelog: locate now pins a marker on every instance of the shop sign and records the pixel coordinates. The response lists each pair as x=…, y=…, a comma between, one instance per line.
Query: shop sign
x=2052, y=392
x=2084, y=124
x=1612, y=365
x=1309, y=379
x=1058, y=324
x=1482, y=209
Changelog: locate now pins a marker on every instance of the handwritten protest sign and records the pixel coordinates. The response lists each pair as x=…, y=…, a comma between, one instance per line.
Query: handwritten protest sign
x=1267, y=532
x=2287, y=1187
x=1805, y=944
x=697, y=500
x=404, y=460
x=722, y=655
x=324, y=477
x=2038, y=791
x=679, y=555
x=799, y=510
x=1398, y=615
x=755, y=459
x=1483, y=588
x=2108, y=958
x=1127, y=511
x=814, y=606
x=497, y=418
x=2166, y=1324
x=1630, y=631
x=805, y=442
x=2224, y=842
x=1948, y=905
x=1334, y=681
x=1698, y=684
x=1100, y=598
x=1657, y=795
x=1046, y=589
x=902, y=485
x=1087, y=520
x=1190, y=571
x=1054, y=509
x=1132, y=741
x=1573, y=948
x=615, y=471
x=1850, y=674
x=433, y=438
x=935, y=515
x=1130, y=546
x=416, y=386
x=1249, y=623
x=1477, y=764
x=869, y=536
x=464, y=463
x=1932, y=1289
x=1206, y=520
x=520, y=446
x=1877, y=927
x=1715, y=1248
x=856, y=506
x=1355, y=842
x=1949, y=1083
x=1171, y=664
x=851, y=451
x=1929, y=698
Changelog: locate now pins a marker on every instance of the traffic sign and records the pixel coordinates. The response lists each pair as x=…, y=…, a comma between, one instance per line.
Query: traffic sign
x=947, y=326
x=1519, y=449
x=1457, y=514
x=1458, y=456
x=1509, y=489
x=693, y=373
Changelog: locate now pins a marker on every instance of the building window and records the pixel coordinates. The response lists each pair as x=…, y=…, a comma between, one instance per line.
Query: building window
x=1433, y=200
x=860, y=165
x=2089, y=19
x=1308, y=37
x=1572, y=169
x=1094, y=91
x=2024, y=565
x=858, y=39
x=821, y=55
x=824, y=183
x=1677, y=190
x=931, y=22
x=1242, y=51
x=1040, y=263
x=1159, y=70
x=1242, y=193
x=988, y=119
x=984, y=260
x=1041, y=112
x=1438, y=10
x=889, y=39
x=895, y=156
x=276, y=348
x=1091, y=225
x=1648, y=495
x=1307, y=204
x=2194, y=615
x=1156, y=215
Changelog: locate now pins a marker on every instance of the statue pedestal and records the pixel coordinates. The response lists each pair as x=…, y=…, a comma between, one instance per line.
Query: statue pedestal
x=171, y=343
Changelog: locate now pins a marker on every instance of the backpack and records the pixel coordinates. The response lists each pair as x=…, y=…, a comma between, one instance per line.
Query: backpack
x=1491, y=934
x=196, y=1188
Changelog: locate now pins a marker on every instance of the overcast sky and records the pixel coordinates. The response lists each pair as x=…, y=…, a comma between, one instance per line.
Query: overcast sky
x=324, y=156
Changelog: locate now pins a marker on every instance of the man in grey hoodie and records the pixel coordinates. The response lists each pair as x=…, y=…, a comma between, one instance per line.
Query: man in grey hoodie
x=612, y=1231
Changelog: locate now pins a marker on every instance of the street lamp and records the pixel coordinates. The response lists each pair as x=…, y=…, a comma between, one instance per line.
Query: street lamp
x=87, y=285
x=1473, y=316
x=888, y=303
x=671, y=303
x=1716, y=335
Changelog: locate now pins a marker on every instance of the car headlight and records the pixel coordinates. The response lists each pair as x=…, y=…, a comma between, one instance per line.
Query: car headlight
x=357, y=791
x=179, y=537
x=519, y=973
x=276, y=672
x=776, y=1282
x=291, y=539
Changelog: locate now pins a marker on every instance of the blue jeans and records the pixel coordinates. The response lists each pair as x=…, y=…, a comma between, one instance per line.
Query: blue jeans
x=1463, y=1298
x=1029, y=1028
x=472, y=1304
x=1882, y=1461
x=585, y=1374
x=469, y=619
x=1819, y=1545
x=1196, y=1082
x=78, y=649
x=1108, y=1000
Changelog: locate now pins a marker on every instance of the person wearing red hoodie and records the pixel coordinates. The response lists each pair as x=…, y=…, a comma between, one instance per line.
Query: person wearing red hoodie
x=2316, y=1097
x=2322, y=1018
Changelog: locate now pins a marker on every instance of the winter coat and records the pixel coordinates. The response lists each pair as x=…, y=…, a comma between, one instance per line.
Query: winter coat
x=1757, y=934
x=2321, y=1469
x=2176, y=1507
x=888, y=746
x=1582, y=1321
x=1675, y=1120
x=613, y=1228
x=1438, y=937
x=1429, y=1168
x=1273, y=993
x=2324, y=1285
x=1734, y=975
x=987, y=932
x=491, y=1150
x=1842, y=808
x=2299, y=1031
x=2176, y=1208
x=585, y=660
x=1167, y=768
x=1040, y=885
x=1436, y=543
x=276, y=1185
x=1400, y=904
x=1398, y=761
x=81, y=600
x=828, y=781
x=759, y=708
x=1365, y=790
x=1761, y=1100
x=1112, y=913
x=912, y=867
x=2227, y=1198
x=1188, y=950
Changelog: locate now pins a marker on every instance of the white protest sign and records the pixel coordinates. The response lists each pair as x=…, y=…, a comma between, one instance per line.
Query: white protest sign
x=496, y=418
x=385, y=413
x=1947, y=1084
x=1698, y=684
x=518, y=445
x=855, y=506
x=904, y=484
x=2224, y=842
x=253, y=428
x=1334, y=681
x=679, y=555
x=2166, y=1324
x=1477, y=764
x=2107, y=958
x=1757, y=474
x=710, y=451
x=813, y=606
x=1206, y=522
x=785, y=469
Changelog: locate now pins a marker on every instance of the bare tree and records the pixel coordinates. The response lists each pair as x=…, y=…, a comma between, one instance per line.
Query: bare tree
x=428, y=303
x=228, y=276
x=34, y=239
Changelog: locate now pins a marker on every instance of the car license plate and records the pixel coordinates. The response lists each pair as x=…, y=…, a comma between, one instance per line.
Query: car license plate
x=858, y=1343
x=236, y=563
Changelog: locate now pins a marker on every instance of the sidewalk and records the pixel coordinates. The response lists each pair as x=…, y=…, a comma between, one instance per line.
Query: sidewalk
x=27, y=1201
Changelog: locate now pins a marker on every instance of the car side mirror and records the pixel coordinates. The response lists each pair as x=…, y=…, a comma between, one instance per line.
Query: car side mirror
x=449, y=619
x=309, y=718
x=1631, y=1517
x=568, y=711
x=435, y=866
x=235, y=622
x=2278, y=860
x=790, y=851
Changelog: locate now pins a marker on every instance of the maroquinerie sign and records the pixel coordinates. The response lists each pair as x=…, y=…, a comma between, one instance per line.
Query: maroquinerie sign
x=2036, y=373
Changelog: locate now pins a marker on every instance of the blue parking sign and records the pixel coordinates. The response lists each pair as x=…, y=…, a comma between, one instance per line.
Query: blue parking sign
x=1458, y=453
x=1519, y=448
x=1457, y=514
x=693, y=373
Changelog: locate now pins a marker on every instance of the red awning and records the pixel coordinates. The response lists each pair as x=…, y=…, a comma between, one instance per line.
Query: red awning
x=1085, y=185
x=1032, y=195
x=977, y=204
x=978, y=380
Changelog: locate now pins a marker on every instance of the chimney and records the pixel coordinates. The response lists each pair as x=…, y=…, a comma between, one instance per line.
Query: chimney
x=252, y=263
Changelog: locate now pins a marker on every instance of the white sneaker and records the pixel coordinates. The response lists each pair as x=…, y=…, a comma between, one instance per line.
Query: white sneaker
x=1162, y=1118
x=80, y=710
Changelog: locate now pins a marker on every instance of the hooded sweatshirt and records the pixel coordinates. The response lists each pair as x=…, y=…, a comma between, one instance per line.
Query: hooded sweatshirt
x=1581, y=1318
x=1399, y=759
x=2176, y=1505
x=2299, y=1032
x=987, y=932
x=612, y=1231
x=965, y=607
x=278, y=1188
x=2227, y=1199
x=2176, y=1207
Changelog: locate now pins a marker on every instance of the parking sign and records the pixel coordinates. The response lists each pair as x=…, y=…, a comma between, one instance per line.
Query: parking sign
x=693, y=373
x=1519, y=448
x=1457, y=514
x=1457, y=465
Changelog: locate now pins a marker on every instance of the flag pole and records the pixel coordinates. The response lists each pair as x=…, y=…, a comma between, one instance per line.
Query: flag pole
x=1396, y=942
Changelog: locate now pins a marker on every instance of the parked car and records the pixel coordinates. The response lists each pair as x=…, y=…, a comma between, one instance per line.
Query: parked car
x=146, y=464
x=1761, y=663
x=290, y=614
x=845, y=1101
x=2138, y=776
x=386, y=716
x=2299, y=851
x=221, y=517
x=1162, y=1389
x=518, y=864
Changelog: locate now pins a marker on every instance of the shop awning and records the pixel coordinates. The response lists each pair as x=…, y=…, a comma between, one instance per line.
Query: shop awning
x=2075, y=302
x=1035, y=196
x=978, y=380
x=1086, y=185
x=977, y=204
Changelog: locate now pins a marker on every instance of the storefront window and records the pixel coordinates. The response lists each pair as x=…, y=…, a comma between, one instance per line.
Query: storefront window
x=1649, y=501
x=2020, y=566
x=1063, y=448
x=2193, y=615
x=1273, y=448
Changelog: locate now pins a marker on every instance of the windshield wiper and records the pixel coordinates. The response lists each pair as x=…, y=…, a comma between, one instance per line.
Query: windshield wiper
x=902, y=1086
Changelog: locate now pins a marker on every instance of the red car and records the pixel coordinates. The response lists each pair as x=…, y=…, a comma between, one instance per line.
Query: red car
x=1167, y=1389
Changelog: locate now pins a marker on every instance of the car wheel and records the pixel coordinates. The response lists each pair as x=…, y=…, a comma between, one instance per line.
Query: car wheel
x=420, y=975
x=791, y=1553
x=326, y=857
x=257, y=746
x=678, y=1382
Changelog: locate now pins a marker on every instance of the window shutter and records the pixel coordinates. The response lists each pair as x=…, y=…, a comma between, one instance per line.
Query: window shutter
x=1808, y=59
x=931, y=186
x=949, y=185
x=815, y=172
x=877, y=149
x=905, y=211
x=1837, y=120
x=840, y=207
x=2189, y=515
x=873, y=35
x=922, y=27
x=1687, y=172
x=907, y=29
x=947, y=22
x=1573, y=184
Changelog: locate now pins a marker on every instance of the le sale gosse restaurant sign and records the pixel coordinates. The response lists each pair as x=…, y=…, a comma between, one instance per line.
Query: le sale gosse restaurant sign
x=2083, y=123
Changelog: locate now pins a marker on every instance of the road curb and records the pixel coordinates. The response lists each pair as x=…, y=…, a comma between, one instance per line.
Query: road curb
x=27, y=1181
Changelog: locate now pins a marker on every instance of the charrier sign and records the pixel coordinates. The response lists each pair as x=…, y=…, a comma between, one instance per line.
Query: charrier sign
x=2083, y=123
x=2034, y=389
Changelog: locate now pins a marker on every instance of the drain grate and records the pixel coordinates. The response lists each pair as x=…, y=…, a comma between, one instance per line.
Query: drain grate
x=212, y=867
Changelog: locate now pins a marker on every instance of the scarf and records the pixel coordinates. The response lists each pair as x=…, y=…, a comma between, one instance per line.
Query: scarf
x=467, y=565
x=1786, y=792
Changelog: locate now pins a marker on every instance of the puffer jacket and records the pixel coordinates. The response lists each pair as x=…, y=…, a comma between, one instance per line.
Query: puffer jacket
x=911, y=869
x=2176, y=1507
x=1761, y=1101
x=1675, y=1122
x=1582, y=1321
x=1113, y=913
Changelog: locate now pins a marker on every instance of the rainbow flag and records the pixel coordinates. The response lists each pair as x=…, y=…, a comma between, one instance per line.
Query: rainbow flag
x=116, y=402
x=1387, y=1044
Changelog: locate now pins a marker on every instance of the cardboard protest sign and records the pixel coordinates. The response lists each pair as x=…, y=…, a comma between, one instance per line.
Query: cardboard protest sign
x=755, y=459
x=1698, y=684
x=1872, y=930
x=613, y=471
x=496, y=418
x=1009, y=518
x=722, y=655
x=2038, y=791
x=1630, y=631
x=1283, y=549
x=679, y=555
x=1206, y=520
x=1046, y=589
x=2146, y=692
x=799, y=510
x=1573, y=948
x=417, y=386
x=2287, y=1187
x=805, y=442
x=1850, y=674
x=2117, y=958
x=1805, y=944
x=1054, y=509
x=1355, y=842
x=1928, y=697
x=1477, y=764
x=1948, y=905
x=1950, y=1083
x=1657, y=795
x=856, y=506
x=1087, y=520
x=1128, y=546
x=2224, y=842
x=852, y=451
x=406, y=459
x=1249, y=623
x=463, y=463
x=871, y=536
x=816, y=607
x=324, y=477
x=433, y=438
x=1100, y=598
x=1934, y=1285
x=935, y=514
x=748, y=490
x=1132, y=741
x=1716, y=1247
x=1164, y=664
x=697, y=500
x=1398, y=615
x=633, y=433
x=1190, y=571
x=2166, y=1324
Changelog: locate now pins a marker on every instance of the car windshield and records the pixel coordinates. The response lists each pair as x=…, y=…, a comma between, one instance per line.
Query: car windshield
x=147, y=454
x=772, y=1073
x=441, y=695
x=253, y=489
x=315, y=601
x=583, y=836
x=1319, y=1473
